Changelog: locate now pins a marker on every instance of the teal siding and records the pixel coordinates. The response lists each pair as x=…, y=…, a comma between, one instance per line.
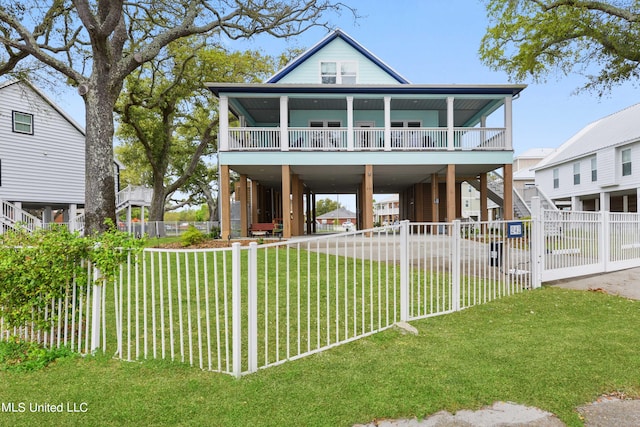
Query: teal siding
x=301, y=118
x=366, y=158
x=338, y=50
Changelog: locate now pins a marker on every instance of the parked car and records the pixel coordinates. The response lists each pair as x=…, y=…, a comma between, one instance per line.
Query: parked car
x=348, y=226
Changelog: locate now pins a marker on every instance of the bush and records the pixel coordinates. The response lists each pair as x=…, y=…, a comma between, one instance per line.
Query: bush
x=17, y=355
x=37, y=268
x=192, y=236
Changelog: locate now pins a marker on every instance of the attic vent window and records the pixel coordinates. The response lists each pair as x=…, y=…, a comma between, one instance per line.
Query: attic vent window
x=339, y=72
x=23, y=122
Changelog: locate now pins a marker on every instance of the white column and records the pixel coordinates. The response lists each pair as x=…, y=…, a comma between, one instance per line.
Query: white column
x=284, y=123
x=224, y=122
x=18, y=215
x=576, y=205
x=349, y=123
x=508, y=123
x=450, y=125
x=73, y=213
x=605, y=199
x=47, y=215
x=387, y=123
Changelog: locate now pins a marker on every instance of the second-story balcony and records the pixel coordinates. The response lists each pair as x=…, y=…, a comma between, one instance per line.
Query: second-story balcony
x=365, y=139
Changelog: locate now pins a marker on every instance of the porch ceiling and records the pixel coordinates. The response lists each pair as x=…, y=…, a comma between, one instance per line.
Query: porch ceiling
x=347, y=179
x=267, y=110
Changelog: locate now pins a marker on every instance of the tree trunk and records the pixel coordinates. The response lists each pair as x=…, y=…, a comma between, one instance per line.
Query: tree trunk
x=100, y=196
x=158, y=199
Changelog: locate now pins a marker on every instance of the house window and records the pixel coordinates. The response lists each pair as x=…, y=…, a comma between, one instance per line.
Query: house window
x=405, y=124
x=22, y=122
x=576, y=173
x=626, y=162
x=556, y=178
x=594, y=170
x=325, y=124
x=338, y=72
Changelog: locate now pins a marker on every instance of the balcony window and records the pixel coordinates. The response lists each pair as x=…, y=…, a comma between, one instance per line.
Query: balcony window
x=23, y=122
x=626, y=162
x=556, y=178
x=576, y=173
x=325, y=124
x=594, y=170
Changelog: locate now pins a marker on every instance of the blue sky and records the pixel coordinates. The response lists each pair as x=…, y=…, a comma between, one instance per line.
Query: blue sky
x=437, y=42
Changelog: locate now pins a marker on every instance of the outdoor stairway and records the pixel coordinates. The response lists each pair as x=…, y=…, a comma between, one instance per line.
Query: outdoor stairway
x=521, y=207
x=133, y=195
x=13, y=217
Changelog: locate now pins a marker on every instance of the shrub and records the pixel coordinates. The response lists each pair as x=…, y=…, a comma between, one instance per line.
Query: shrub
x=192, y=236
x=37, y=268
x=17, y=355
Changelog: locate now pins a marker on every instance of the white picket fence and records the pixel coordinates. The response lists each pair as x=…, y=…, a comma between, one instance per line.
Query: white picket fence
x=239, y=309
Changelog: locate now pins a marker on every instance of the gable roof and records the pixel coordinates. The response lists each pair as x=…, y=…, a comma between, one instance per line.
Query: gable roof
x=338, y=213
x=616, y=129
x=46, y=99
x=325, y=41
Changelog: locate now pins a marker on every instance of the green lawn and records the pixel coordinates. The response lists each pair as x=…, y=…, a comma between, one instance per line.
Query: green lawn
x=551, y=348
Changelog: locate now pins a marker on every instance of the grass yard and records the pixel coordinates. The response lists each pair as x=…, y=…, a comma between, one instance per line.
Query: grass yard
x=551, y=348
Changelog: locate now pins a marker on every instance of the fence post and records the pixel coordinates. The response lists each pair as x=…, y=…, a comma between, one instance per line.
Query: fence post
x=236, y=309
x=604, y=242
x=96, y=311
x=456, y=257
x=252, y=295
x=536, y=248
x=404, y=271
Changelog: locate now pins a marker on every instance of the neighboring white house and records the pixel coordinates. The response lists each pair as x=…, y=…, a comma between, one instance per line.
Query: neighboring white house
x=387, y=210
x=41, y=154
x=597, y=168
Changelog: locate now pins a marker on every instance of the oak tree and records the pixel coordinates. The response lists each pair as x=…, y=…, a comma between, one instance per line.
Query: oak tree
x=168, y=117
x=96, y=44
x=534, y=38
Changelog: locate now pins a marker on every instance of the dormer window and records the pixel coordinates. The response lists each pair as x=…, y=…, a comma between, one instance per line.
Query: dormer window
x=339, y=72
x=23, y=122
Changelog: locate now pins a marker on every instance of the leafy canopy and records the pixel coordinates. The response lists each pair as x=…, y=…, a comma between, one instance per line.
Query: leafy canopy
x=535, y=38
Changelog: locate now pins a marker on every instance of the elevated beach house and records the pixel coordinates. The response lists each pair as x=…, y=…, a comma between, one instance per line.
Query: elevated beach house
x=338, y=120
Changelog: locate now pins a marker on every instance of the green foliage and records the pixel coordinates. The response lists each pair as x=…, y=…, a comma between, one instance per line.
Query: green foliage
x=21, y=356
x=108, y=250
x=192, y=236
x=534, y=39
x=37, y=268
x=326, y=205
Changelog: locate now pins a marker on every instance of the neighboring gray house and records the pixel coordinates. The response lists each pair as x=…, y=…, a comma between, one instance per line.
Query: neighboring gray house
x=338, y=217
x=597, y=168
x=41, y=155
x=42, y=161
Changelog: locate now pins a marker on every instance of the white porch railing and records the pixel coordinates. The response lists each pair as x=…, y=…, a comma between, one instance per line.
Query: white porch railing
x=480, y=139
x=254, y=139
x=134, y=195
x=368, y=139
x=12, y=217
